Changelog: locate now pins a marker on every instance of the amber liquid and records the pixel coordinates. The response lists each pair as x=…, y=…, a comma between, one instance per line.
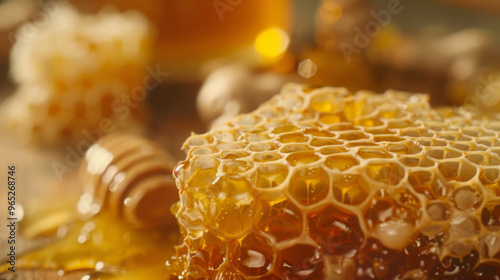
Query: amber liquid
x=194, y=29
x=105, y=247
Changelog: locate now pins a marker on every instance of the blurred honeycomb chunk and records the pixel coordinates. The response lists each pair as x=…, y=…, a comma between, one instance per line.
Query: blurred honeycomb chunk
x=77, y=74
x=388, y=188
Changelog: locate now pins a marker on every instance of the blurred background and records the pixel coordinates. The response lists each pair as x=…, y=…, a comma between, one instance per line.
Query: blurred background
x=74, y=71
x=224, y=57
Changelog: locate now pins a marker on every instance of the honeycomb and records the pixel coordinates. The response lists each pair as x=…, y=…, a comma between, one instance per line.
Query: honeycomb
x=77, y=74
x=321, y=183
x=129, y=177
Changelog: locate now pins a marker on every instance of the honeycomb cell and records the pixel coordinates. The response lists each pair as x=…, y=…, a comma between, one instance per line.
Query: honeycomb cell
x=411, y=132
x=449, y=169
x=287, y=128
x=324, y=102
x=338, y=267
x=328, y=150
x=209, y=257
x=393, y=218
x=461, y=146
x=496, y=151
x=236, y=166
x=232, y=154
x=335, y=230
x=343, y=127
x=466, y=199
x=247, y=120
x=467, y=171
x=464, y=225
x=262, y=146
x=373, y=153
x=319, y=133
x=293, y=148
x=266, y=157
x=490, y=216
x=233, y=221
x=341, y=162
x=491, y=160
x=438, y=211
x=191, y=213
x=252, y=255
x=361, y=143
x=198, y=140
x=489, y=245
x=309, y=185
x=327, y=119
x=460, y=248
x=205, y=166
x=280, y=220
x=406, y=198
x=355, y=135
x=224, y=136
x=203, y=151
x=230, y=146
x=410, y=161
x=353, y=109
x=233, y=188
x=436, y=153
x=452, y=153
x=297, y=137
x=379, y=211
x=270, y=176
x=370, y=122
x=300, y=260
x=320, y=142
x=489, y=175
x=475, y=158
x=427, y=162
x=425, y=142
x=350, y=188
x=389, y=173
x=302, y=158
x=399, y=148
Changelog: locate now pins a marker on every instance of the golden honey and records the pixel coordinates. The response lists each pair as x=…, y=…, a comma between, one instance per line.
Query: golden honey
x=121, y=227
x=321, y=183
x=394, y=189
x=104, y=247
